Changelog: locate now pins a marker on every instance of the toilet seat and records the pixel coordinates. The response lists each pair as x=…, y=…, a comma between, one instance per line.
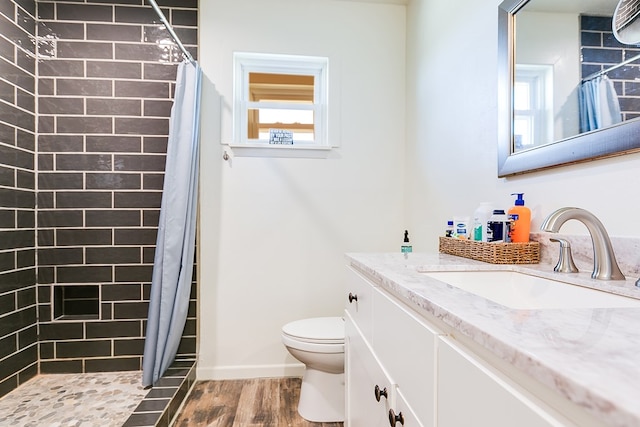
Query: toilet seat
x=317, y=330
x=312, y=347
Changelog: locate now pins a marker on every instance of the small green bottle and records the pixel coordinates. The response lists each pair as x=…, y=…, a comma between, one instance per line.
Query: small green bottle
x=406, y=246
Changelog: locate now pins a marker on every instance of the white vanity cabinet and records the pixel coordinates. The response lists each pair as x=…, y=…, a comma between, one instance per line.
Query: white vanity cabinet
x=390, y=355
x=427, y=378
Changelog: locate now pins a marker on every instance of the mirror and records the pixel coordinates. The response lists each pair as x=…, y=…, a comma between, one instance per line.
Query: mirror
x=553, y=56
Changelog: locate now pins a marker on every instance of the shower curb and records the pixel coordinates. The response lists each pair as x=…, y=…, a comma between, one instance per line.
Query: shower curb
x=161, y=404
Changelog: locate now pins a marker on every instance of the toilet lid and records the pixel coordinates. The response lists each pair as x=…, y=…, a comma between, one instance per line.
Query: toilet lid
x=318, y=329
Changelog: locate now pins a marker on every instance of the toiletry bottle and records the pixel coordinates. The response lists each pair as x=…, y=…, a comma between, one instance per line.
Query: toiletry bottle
x=498, y=227
x=448, y=232
x=520, y=216
x=461, y=228
x=480, y=218
x=406, y=246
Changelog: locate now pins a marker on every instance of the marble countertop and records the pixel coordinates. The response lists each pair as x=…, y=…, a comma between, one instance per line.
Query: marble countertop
x=588, y=355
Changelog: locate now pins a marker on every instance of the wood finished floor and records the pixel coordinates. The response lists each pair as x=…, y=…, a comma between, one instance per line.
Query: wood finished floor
x=245, y=403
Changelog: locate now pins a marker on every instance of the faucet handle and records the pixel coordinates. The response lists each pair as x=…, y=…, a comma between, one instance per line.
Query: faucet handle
x=565, y=261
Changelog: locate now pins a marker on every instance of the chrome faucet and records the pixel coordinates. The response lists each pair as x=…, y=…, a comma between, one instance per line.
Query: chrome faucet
x=605, y=266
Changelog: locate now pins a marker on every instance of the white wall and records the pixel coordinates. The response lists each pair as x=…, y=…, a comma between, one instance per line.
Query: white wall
x=451, y=133
x=273, y=231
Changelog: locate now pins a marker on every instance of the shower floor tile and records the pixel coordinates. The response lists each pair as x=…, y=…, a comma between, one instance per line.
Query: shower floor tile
x=79, y=400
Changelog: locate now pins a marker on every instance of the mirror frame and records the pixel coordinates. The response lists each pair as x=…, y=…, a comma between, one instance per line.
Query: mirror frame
x=616, y=140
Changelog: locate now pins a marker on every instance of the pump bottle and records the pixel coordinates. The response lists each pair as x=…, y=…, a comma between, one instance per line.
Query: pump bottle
x=406, y=245
x=520, y=216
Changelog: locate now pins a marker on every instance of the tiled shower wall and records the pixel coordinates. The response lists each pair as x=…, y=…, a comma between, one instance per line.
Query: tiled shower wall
x=83, y=130
x=18, y=330
x=600, y=50
x=105, y=81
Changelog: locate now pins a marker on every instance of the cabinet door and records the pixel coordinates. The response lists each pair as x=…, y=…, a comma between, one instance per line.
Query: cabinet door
x=404, y=414
x=363, y=374
x=359, y=301
x=405, y=346
x=471, y=393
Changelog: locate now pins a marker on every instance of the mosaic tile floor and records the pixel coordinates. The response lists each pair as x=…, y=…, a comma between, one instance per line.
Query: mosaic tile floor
x=73, y=400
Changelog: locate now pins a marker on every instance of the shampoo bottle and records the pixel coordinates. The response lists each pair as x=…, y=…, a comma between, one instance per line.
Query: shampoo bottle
x=406, y=246
x=520, y=216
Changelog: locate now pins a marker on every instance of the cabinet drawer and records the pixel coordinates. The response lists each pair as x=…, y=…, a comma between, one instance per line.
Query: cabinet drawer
x=363, y=374
x=403, y=411
x=405, y=346
x=359, y=301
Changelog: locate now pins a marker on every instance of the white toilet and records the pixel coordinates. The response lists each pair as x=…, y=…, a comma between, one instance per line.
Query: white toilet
x=319, y=344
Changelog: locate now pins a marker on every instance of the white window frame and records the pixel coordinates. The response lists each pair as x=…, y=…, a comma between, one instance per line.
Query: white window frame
x=245, y=63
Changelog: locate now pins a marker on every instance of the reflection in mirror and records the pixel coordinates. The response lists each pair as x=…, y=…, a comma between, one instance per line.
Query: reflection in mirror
x=532, y=106
x=569, y=90
x=550, y=68
x=548, y=64
x=626, y=25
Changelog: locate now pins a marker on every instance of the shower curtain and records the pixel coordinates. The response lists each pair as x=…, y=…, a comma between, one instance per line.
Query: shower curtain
x=599, y=106
x=175, y=244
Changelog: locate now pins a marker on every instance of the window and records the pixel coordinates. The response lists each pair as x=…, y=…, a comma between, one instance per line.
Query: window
x=532, y=106
x=280, y=100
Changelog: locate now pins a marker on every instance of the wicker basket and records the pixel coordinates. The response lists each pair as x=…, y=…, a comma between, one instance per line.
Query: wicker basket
x=494, y=253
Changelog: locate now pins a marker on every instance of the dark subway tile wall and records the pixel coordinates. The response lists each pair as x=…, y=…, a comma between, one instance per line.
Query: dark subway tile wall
x=105, y=89
x=99, y=135
x=601, y=50
x=18, y=324
x=103, y=124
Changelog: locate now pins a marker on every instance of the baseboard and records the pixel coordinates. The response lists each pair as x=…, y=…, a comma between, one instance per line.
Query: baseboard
x=248, y=371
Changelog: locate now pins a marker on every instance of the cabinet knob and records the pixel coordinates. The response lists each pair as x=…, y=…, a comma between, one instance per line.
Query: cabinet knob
x=353, y=297
x=393, y=418
x=379, y=393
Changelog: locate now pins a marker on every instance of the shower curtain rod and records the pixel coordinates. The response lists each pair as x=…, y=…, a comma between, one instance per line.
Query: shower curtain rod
x=606, y=70
x=170, y=29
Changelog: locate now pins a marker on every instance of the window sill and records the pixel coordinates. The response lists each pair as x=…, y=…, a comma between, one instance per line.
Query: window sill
x=285, y=151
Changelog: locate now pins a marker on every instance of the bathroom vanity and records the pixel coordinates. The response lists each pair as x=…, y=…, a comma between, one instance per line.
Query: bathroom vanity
x=421, y=352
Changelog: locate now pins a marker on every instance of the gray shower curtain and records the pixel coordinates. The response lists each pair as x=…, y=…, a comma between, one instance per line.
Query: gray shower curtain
x=175, y=245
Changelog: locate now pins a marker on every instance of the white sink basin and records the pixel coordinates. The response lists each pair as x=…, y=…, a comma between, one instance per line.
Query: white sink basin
x=523, y=291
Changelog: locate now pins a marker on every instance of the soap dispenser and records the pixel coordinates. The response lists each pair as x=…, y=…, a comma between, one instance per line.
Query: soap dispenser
x=406, y=246
x=520, y=216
